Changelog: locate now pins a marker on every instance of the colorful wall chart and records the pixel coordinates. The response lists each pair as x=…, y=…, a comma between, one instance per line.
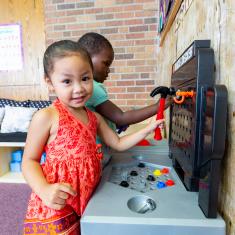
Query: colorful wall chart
x=11, y=52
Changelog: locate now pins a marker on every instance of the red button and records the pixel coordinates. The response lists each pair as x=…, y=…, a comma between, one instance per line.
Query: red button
x=170, y=183
x=165, y=170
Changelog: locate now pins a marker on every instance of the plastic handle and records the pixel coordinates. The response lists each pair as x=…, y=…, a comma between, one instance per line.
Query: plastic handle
x=160, y=115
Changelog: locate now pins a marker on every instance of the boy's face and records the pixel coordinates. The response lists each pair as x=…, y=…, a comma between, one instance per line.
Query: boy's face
x=101, y=64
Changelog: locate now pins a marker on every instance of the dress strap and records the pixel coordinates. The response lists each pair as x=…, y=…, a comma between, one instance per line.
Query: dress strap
x=91, y=126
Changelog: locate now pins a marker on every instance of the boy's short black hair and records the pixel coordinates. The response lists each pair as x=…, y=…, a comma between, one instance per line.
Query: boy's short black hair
x=94, y=43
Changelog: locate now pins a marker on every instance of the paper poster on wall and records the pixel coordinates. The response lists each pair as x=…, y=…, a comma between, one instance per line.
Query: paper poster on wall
x=11, y=53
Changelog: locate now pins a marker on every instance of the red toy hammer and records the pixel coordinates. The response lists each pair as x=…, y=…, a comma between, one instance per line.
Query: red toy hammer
x=164, y=91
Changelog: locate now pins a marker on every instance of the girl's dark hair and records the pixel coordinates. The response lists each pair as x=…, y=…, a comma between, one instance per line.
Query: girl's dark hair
x=62, y=49
x=94, y=43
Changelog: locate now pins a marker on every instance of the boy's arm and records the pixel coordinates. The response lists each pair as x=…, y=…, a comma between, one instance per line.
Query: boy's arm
x=112, y=112
x=111, y=139
x=102, y=105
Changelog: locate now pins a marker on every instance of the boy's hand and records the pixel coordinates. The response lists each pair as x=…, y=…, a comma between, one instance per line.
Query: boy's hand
x=169, y=101
x=55, y=195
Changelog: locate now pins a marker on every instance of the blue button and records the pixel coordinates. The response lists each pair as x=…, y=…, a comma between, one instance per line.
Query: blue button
x=161, y=184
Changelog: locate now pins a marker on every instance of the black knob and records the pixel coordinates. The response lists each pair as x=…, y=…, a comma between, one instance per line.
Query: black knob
x=124, y=184
x=133, y=173
x=151, y=178
x=141, y=165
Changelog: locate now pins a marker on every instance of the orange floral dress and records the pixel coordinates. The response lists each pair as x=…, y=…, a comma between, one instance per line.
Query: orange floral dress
x=72, y=157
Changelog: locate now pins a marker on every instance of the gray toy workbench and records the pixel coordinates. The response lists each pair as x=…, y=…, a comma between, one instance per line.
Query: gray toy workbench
x=116, y=210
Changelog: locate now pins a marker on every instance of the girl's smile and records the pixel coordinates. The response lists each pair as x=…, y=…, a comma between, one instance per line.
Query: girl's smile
x=79, y=99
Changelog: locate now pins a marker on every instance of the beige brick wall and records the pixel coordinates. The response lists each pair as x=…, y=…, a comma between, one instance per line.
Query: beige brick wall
x=214, y=20
x=131, y=27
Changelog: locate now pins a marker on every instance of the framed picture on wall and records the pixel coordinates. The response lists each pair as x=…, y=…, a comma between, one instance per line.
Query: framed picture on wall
x=11, y=51
x=164, y=9
x=167, y=12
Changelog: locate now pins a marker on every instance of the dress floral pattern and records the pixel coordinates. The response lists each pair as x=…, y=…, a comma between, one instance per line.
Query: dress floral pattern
x=72, y=157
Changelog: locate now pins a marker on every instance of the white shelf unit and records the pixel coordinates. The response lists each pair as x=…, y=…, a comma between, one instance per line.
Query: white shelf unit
x=6, y=148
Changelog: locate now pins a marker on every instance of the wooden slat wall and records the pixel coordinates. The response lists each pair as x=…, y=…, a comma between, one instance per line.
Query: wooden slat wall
x=28, y=83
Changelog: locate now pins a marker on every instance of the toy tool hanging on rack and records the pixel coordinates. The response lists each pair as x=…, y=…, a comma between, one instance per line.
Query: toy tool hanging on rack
x=164, y=91
x=179, y=98
x=181, y=95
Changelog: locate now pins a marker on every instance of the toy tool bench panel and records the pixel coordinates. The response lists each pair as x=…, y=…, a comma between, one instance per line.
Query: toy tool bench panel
x=195, y=124
x=193, y=71
x=10, y=170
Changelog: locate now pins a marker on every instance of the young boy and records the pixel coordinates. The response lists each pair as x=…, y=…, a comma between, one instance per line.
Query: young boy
x=102, y=55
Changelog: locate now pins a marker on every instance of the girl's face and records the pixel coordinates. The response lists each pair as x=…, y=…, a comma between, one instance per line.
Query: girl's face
x=72, y=80
x=101, y=64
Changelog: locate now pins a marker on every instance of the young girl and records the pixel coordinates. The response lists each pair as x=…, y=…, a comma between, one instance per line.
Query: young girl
x=102, y=55
x=66, y=130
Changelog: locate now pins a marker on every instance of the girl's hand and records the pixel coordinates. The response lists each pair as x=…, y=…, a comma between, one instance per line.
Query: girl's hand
x=55, y=195
x=153, y=124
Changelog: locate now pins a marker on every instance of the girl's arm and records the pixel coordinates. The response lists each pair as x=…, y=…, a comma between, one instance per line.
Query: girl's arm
x=37, y=136
x=53, y=195
x=111, y=139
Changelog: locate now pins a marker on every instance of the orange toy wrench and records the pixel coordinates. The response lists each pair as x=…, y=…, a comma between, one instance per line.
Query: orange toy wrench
x=181, y=95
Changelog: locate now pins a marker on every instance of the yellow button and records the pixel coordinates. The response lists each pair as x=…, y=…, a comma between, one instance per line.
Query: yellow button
x=157, y=172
